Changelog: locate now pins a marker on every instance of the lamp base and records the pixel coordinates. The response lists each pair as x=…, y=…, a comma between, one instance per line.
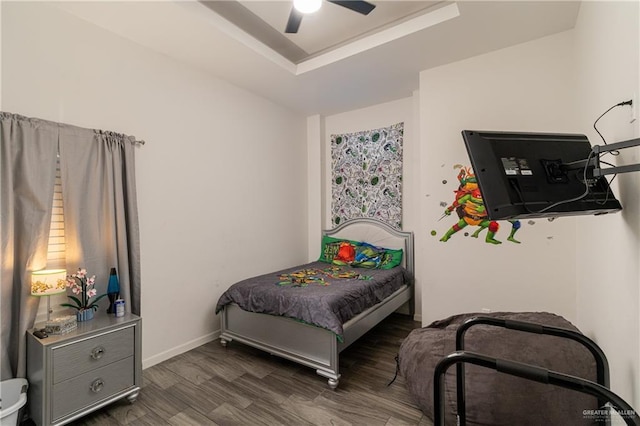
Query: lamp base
x=112, y=300
x=49, y=310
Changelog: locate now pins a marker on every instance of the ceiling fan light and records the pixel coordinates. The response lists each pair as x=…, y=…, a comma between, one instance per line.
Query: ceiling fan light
x=307, y=6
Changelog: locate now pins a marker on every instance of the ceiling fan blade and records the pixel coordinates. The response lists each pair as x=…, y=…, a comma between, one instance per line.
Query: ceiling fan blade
x=295, y=18
x=356, y=5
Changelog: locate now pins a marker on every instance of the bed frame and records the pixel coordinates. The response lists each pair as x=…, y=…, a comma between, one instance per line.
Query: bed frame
x=317, y=347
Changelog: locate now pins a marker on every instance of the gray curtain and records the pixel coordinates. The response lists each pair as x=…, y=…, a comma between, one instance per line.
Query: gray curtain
x=28, y=150
x=101, y=218
x=101, y=214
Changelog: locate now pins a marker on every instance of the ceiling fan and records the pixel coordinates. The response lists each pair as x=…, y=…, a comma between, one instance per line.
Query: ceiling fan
x=295, y=17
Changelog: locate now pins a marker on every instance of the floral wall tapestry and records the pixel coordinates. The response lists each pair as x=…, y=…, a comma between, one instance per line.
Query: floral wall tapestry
x=366, y=178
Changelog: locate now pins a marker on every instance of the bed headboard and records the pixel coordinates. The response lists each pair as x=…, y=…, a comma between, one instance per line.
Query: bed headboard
x=377, y=233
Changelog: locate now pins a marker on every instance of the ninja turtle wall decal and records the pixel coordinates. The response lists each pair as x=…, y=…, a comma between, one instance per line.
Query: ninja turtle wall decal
x=470, y=210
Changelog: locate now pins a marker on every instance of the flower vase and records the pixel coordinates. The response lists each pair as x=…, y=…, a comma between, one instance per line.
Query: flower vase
x=84, y=315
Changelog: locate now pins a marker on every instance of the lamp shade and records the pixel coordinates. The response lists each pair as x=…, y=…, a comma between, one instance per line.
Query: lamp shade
x=48, y=281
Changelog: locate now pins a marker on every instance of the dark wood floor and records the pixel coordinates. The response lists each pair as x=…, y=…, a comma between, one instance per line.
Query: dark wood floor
x=238, y=385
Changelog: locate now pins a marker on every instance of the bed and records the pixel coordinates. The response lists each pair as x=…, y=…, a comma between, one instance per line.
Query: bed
x=303, y=340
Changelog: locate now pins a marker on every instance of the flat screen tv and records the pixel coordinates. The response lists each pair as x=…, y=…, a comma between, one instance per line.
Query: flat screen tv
x=536, y=175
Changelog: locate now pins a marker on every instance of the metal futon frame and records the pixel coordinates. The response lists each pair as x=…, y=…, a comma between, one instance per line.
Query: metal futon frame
x=527, y=371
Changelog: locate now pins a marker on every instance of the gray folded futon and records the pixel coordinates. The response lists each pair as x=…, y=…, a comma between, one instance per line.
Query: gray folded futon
x=493, y=398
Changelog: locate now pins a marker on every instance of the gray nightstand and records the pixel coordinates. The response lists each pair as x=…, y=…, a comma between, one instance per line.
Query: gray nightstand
x=73, y=374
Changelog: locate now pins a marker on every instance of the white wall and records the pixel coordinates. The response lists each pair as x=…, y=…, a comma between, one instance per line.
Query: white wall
x=522, y=88
x=583, y=268
x=607, y=49
x=315, y=179
x=217, y=178
x=375, y=117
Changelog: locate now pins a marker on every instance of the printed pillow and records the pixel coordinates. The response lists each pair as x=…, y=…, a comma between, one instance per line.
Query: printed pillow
x=346, y=253
x=384, y=258
x=329, y=248
x=358, y=254
x=368, y=256
x=393, y=258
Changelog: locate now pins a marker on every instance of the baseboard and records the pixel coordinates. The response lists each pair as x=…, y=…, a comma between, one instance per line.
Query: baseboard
x=404, y=309
x=163, y=356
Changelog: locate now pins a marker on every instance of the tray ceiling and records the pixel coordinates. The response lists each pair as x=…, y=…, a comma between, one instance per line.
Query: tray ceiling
x=339, y=62
x=331, y=27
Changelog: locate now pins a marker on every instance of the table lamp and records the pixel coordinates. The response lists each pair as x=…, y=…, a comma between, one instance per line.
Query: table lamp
x=48, y=282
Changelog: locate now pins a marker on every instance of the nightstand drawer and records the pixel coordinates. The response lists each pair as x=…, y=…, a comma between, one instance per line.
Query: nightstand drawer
x=87, y=355
x=91, y=387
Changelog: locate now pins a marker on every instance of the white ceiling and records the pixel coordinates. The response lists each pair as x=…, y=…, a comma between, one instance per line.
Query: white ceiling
x=344, y=60
x=329, y=27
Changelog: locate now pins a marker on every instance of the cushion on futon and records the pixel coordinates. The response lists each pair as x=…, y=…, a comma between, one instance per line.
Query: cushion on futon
x=494, y=398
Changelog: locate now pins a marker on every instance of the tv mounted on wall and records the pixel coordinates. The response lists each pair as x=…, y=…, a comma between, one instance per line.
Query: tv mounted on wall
x=535, y=175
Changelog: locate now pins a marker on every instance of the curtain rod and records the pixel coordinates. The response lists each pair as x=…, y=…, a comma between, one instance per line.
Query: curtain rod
x=134, y=140
x=4, y=114
x=131, y=138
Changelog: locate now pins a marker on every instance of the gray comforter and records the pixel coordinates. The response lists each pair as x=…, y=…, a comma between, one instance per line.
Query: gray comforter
x=327, y=303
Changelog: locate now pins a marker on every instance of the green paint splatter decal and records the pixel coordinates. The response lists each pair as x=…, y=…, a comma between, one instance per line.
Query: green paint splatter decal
x=367, y=175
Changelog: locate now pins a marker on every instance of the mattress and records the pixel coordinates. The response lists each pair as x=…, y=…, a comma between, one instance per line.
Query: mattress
x=317, y=293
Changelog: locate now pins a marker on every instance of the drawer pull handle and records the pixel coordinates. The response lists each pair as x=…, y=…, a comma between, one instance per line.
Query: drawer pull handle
x=97, y=385
x=97, y=353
